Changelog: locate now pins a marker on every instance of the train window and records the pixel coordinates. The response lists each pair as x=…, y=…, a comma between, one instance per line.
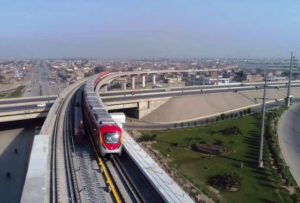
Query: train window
x=111, y=138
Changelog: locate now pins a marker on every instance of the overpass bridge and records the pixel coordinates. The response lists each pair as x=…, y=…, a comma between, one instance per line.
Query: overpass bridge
x=51, y=176
x=25, y=108
x=53, y=157
x=139, y=105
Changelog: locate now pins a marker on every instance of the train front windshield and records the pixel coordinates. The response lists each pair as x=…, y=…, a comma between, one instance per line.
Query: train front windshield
x=111, y=138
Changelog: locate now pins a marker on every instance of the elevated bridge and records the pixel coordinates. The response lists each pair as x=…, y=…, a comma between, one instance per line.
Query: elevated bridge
x=24, y=108
x=48, y=162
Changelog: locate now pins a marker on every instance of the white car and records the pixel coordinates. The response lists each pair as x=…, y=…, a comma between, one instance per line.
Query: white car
x=43, y=104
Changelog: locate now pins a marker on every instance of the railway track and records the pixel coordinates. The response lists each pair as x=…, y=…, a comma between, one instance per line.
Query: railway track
x=92, y=185
x=125, y=180
x=79, y=174
x=62, y=184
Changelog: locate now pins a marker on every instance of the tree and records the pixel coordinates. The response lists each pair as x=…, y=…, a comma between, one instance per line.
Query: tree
x=99, y=69
x=240, y=76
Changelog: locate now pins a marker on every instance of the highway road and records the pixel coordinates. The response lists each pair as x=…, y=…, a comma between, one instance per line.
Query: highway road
x=196, y=87
x=24, y=100
x=39, y=85
x=289, y=139
x=182, y=93
x=22, y=108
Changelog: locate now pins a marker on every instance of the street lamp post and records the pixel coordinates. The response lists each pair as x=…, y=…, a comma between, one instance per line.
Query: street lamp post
x=288, y=99
x=261, y=145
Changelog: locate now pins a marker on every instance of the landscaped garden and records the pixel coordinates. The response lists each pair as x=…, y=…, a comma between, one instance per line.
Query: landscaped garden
x=220, y=160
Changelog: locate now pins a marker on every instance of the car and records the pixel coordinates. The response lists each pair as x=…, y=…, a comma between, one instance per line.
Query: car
x=43, y=104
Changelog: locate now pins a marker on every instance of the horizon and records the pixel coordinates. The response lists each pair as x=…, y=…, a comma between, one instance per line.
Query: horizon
x=154, y=30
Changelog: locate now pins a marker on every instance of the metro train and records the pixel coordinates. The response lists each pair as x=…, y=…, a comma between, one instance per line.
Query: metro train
x=106, y=133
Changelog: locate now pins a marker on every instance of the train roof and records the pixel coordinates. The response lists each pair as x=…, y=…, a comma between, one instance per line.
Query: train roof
x=95, y=104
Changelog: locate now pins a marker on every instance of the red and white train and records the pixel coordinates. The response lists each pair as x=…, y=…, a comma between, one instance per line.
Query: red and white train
x=106, y=133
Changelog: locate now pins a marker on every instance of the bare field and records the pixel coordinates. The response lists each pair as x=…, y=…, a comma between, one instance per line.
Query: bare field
x=194, y=106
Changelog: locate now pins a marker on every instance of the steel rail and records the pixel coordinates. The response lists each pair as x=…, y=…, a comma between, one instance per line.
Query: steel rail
x=54, y=159
x=129, y=182
x=107, y=176
x=68, y=156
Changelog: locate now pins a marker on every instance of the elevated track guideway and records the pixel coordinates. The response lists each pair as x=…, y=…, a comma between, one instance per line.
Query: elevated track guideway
x=74, y=176
x=76, y=173
x=62, y=184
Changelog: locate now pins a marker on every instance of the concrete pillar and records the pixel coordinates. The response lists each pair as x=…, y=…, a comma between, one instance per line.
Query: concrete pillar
x=133, y=82
x=123, y=85
x=143, y=81
x=154, y=79
x=105, y=88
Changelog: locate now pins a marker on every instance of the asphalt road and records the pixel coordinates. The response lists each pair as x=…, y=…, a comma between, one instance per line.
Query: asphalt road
x=179, y=93
x=289, y=139
x=39, y=84
x=21, y=108
x=24, y=100
x=197, y=87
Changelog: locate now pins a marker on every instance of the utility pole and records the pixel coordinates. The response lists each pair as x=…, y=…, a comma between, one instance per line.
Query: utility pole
x=261, y=146
x=218, y=72
x=288, y=98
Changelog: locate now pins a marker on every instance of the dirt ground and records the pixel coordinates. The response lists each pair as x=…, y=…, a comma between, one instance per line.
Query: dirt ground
x=15, y=145
x=195, y=106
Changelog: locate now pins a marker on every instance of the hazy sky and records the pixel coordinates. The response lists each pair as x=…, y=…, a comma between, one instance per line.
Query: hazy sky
x=149, y=28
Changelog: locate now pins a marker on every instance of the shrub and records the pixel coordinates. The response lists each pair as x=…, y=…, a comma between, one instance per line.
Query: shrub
x=145, y=138
x=222, y=116
x=174, y=144
x=218, y=142
x=233, y=130
x=228, y=181
x=188, y=139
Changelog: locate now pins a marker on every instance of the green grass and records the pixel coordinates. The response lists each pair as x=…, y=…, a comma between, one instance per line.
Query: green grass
x=258, y=185
x=16, y=93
